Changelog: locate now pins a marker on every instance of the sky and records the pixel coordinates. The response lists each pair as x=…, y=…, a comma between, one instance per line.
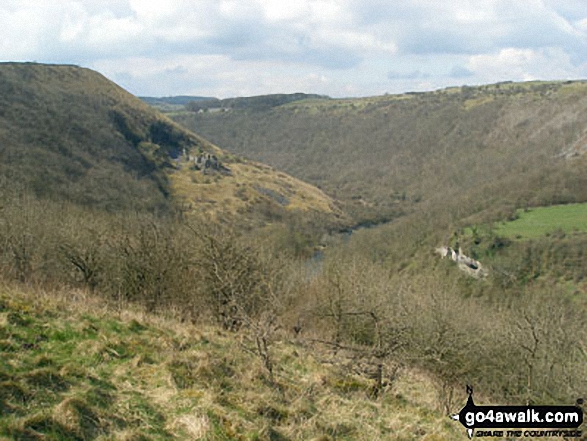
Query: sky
x=340, y=48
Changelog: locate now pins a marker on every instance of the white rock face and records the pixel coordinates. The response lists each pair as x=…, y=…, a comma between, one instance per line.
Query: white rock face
x=575, y=150
x=465, y=263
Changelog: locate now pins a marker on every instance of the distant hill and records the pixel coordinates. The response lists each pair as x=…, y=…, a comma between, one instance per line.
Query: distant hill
x=261, y=102
x=68, y=133
x=173, y=103
x=485, y=148
x=178, y=100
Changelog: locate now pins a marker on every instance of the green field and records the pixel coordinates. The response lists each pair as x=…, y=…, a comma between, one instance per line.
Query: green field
x=540, y=221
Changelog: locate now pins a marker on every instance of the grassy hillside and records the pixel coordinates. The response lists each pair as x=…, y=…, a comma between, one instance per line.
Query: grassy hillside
x=542, y=221
x=68, y=133
x=74, y=369
x=495, y=146
x=542, y=245
x=251, y=188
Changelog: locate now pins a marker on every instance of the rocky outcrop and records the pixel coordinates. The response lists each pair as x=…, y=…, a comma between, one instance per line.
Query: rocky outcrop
x=576, y=150
x=206, y=163
x=465, y=263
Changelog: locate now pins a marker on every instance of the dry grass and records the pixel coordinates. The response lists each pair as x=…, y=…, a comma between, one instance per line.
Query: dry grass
x=247, y=185
x=126, y=375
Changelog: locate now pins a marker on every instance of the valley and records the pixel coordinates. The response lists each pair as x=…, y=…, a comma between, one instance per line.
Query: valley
x=265, y=268
x=385, y=155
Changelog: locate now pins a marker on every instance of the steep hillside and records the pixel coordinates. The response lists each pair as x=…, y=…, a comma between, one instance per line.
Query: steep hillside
x=73, y=369
x=389, y=153
x=68, y=133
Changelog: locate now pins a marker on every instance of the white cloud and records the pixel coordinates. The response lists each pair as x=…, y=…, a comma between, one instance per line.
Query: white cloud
x=352, y=40
x=277, y=10
x=217, y=76
x=524, y=64
x=367, y=46
x=582, y=25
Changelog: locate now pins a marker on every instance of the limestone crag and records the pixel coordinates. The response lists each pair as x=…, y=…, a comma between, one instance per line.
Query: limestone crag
x=206, y=163
x=465, y=263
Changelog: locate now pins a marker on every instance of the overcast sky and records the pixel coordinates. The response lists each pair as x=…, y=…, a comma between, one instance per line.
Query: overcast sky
x=340, y=48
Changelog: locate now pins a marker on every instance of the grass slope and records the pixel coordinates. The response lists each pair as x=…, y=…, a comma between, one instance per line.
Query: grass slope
x=250, y=186
x=73, y=369
x=540, y=245
x=541, y=221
